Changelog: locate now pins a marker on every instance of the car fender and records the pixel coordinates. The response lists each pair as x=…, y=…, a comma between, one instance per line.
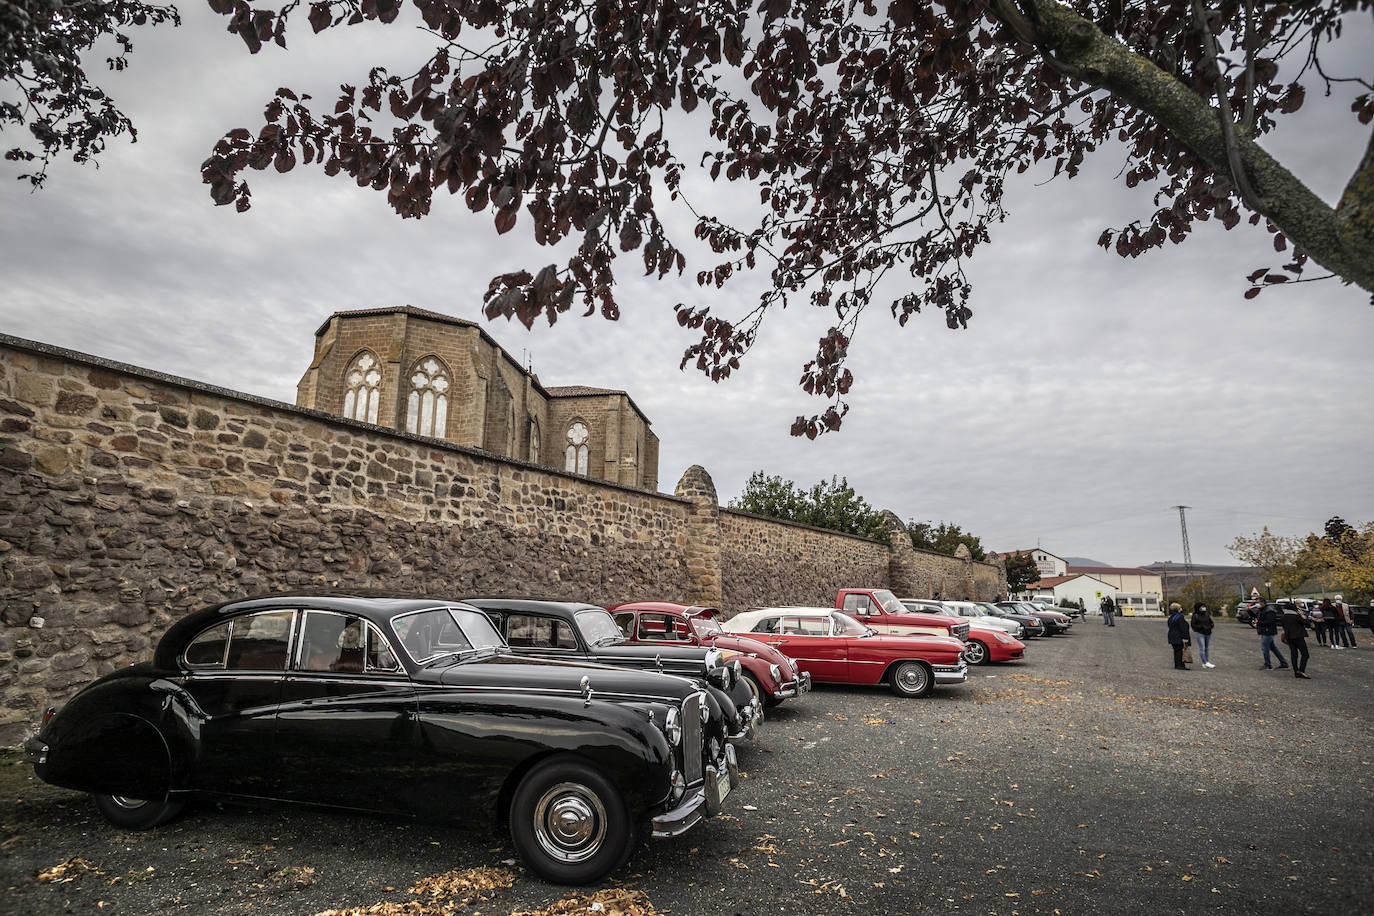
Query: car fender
x=617, y=738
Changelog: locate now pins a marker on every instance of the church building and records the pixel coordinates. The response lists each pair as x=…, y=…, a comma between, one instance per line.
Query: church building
x=435, y=375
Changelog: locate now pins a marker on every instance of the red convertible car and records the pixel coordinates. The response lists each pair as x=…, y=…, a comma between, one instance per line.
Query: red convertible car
x=837, y=649
x=771, y=675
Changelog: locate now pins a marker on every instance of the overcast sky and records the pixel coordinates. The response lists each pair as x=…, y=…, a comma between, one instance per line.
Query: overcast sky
x=1088, y=396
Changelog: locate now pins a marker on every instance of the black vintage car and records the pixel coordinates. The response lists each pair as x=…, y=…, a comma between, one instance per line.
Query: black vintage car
x=403, y=706
x=569, y=630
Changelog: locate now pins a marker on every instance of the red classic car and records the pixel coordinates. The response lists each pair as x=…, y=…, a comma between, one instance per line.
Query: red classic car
x=771, y=675
x=835, y=648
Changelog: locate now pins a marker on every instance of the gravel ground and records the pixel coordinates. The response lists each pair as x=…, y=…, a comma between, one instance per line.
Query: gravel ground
x=1089, y=778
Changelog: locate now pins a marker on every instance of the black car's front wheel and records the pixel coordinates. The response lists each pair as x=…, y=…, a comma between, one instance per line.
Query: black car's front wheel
x=569, y=823
x=912, y=679
x=136, y=813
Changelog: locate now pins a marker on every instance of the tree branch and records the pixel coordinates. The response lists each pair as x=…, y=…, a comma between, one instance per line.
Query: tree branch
x=1228, y=124
x=1345, y=248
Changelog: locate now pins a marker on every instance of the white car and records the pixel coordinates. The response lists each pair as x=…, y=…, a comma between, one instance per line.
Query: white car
x=976, y=614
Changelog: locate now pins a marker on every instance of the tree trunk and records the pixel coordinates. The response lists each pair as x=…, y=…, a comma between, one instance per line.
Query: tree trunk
x=1341, y=239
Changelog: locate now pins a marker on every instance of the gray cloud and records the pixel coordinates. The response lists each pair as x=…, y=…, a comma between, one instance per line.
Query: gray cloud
x=1088, y=396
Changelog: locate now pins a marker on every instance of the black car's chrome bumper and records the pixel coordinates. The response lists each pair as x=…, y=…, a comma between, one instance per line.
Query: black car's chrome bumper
x=707, y=800
x=35, y=751
x=750, y=719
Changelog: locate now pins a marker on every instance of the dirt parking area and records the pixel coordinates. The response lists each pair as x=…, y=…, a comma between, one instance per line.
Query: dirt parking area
x=1089, y=778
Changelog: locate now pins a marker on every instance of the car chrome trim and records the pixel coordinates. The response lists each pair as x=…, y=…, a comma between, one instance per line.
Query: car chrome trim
x=692, y=743
x=35, y=751
x=684, y=817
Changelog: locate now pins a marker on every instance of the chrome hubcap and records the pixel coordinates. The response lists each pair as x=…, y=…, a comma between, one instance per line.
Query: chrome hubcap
x=913, y=677
x=974, y=653
x=128, y=803
x=570, y=822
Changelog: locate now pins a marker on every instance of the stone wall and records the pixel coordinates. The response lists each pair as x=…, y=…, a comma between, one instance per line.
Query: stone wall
x=767, y=562
x=129, y=498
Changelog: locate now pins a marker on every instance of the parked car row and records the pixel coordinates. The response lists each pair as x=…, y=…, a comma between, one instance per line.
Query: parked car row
x=577, y=726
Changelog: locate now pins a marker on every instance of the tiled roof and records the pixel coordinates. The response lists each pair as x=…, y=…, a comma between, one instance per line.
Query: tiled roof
x=1114, y=570
x=1051, y=582
x=399, y=309
x=575, y=391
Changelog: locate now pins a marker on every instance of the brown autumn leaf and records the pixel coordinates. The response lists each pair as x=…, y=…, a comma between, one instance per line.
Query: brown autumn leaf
x=67, y=871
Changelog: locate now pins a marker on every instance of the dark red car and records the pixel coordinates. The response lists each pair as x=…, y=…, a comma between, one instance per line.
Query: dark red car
x=771, y=675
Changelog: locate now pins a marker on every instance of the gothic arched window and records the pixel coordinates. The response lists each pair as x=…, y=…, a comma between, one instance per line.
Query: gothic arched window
x=577, y=453
x=427, y=406
x=362, y=380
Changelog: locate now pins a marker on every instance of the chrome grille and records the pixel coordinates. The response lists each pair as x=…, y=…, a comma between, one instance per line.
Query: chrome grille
x=961, y=631
x=691, y=737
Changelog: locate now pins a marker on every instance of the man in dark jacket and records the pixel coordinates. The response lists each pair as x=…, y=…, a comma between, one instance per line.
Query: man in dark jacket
x=1178, y=634
x=1295, y=634
x=1267, y=625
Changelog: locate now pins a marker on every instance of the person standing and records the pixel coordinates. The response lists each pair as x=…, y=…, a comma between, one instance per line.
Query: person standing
x=1322, y=615
x=1295, y=634
x=1344, y=629
x=1267, y=625
x=1178, y=635
x=1108, y=608
x=1202, y=625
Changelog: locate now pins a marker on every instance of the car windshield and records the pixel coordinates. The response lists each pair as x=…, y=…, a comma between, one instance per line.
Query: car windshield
x=447, y=632
x=707, y=626
x=888, y=601
x=598, y=627
x=848, y=626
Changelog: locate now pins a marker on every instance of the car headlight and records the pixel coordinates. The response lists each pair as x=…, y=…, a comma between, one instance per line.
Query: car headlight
x=776, y=672
x=672, y=727
x=1001, y=637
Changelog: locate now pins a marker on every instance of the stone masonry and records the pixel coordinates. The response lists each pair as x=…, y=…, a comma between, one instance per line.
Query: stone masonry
x=129, y=498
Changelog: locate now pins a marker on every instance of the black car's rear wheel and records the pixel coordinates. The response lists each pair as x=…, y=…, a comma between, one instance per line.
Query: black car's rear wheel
x=911, y=679
x=569, y=823
x=136, y=813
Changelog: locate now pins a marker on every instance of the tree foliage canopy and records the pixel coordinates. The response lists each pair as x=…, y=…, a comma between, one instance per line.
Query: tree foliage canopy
x=43, y=81
x=1021, y=572
x=946, y=538
x=879, y=137
x=829, y=504
x=1342, y=556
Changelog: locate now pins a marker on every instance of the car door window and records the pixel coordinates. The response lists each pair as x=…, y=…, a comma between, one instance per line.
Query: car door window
x=857, y=603
x=814, y=626
x=331, y=641
x=661, y=627
x=539, y=632
x=766, y=625
x=626, y=621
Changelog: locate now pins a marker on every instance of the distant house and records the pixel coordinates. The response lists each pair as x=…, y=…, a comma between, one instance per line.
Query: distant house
x=1138, y=592
x=1126, y=578
x=1075, y=587
x=1046, y=563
